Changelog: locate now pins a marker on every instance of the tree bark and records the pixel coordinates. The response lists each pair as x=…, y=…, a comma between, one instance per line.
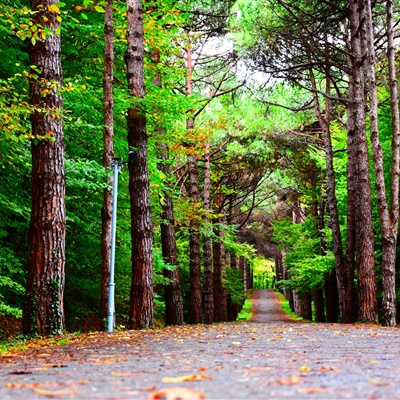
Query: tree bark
x=390, y=237
x=194, y=231
x=173, y=293
x=108, y=154
x=207, y=245
x=344, y=273
x=388, y=229
x=331, y=297
x=367, y=290
x=220, y=293
x=43, y=308
x=319, y=305
x=141, y=302
x=306, y=311
x=279, y=269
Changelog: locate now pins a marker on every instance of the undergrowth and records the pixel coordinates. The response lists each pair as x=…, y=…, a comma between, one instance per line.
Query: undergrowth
x=245, y=314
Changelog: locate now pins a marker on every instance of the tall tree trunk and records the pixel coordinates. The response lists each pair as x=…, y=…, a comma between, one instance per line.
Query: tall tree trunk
x=194, y=231
x=43, y=309
x=344, y=273
x=389, y=226
x=388, y=229
x=367, y=290
x=306, y=311
x=141, y=304
x=108, y=154
x=331, y=297
x=319, y=305
x=173, y=292
x=279, y=270
x=207, y=246
x=220, y=294
x=242, y=271
x=390, y=237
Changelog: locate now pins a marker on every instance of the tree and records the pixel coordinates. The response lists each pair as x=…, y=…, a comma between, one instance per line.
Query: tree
x=359, y=171
x=108, y=153
x=43, y=311
x=141, y=310
x=388, y=213
x=207, y=243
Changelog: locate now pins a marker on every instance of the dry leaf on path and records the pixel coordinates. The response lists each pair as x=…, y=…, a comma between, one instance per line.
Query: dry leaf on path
x=186, y=378
x=177, y=393
x=314, y=390
x=293, y=380
x=56, y=393
x=11, y=385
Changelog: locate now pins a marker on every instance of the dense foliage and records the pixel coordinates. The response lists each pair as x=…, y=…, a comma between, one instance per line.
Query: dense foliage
x=255, y=88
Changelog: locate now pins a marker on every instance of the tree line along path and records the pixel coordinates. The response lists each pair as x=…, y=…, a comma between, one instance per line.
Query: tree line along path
x=270, y=356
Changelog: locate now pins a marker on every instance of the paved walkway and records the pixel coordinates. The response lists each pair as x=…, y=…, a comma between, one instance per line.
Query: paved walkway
x=273, y=358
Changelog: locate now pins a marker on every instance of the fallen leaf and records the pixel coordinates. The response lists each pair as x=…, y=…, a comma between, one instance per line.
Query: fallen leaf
x=326, y=369
x=54, y=393
x=304, y=368
x=313, y=390
x=177, y=393
x=43, y=384
x=293, y=380
x=203, y=369
x=375, y=382
x=186, y=378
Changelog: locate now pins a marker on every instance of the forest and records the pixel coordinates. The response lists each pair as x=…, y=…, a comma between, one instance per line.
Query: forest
x=248, y=143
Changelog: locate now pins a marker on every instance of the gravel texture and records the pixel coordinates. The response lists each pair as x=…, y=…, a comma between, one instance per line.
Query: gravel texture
x=268, y=357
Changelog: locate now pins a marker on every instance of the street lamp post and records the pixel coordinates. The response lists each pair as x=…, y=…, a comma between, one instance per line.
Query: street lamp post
x=117, y=164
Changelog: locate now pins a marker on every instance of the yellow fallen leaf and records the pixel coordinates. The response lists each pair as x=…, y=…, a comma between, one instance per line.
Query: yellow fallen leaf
x=186, y=378
x=304, y=368
x=53, y=393
x=236, y=343
x=375, y=382
x=293, y=380
x=313, y=390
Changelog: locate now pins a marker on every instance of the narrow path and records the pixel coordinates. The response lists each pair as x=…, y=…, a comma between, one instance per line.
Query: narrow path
x=266, y=307
x=272, y=358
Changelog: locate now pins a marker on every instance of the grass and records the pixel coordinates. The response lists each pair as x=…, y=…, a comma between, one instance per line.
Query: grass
x=286, y=307
x=245, y=314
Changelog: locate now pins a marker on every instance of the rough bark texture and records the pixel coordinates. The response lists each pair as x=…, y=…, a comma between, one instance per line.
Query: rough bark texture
x=207, y=246
x=141, y=306
x=388, y=229
x=279, y=270
x=344, y=273
x=194, y=244
x=367, y=290
x=331, y=297
x=43, y=308
x=319, y=305
x=108, y=154
x=390, y=239
x=220, y=295
x=194, y=241
x=306, y=311
x=242, y=271
x=173, y=291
